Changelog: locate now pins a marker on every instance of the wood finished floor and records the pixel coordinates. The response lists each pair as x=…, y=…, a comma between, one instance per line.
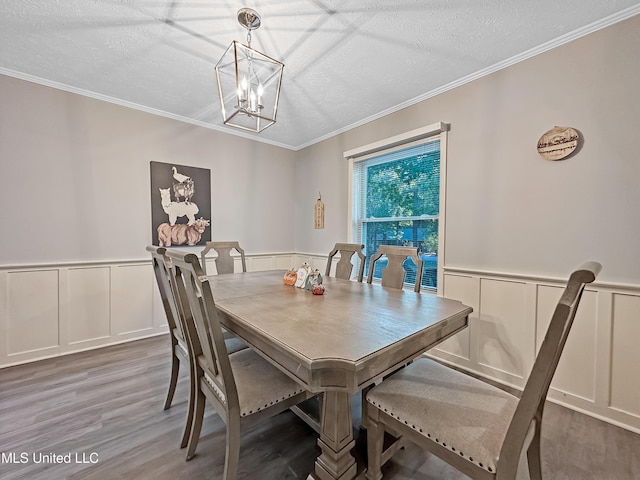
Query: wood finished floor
x=108, y=403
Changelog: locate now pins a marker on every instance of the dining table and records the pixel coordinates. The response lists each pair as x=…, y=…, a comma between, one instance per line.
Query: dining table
x=337, y=344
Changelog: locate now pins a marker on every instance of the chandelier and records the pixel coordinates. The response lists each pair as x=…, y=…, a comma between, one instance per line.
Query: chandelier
x=248, y=81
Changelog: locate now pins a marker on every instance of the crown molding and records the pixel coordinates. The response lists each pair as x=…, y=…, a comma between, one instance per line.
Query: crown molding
x=581, y=32
x=135, y=106
x=545, y=47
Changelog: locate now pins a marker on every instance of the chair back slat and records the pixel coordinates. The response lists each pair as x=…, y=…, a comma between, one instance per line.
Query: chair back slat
x=180, y=316
x=393, y=274
x=167, y=296
x=193, y=285
x=531, y=404
x=344, y=267
x=225, y=263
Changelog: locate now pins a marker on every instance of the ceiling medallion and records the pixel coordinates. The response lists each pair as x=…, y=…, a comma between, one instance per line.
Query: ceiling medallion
x=248, y=81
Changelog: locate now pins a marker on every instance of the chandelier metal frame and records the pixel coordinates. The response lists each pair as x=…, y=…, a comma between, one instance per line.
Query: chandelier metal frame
x=249, y=81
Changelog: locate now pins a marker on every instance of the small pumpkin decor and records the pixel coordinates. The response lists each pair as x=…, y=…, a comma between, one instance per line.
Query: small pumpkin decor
x=290, y=277
x=314, y=283
x=303, y=272
x=304, y=278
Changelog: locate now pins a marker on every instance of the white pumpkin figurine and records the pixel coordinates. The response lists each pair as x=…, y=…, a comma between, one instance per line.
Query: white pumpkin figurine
x=303, y=273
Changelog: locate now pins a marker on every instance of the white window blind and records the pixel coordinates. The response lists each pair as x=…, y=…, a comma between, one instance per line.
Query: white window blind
x=396, y=201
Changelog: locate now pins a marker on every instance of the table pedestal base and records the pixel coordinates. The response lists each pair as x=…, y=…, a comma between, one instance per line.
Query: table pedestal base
x=336, y=439
x=341, y=466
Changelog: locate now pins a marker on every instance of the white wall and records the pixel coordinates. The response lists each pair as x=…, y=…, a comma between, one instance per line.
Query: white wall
x=76, y=181
x=508, y=210
x=76, y=214
x=517, y=225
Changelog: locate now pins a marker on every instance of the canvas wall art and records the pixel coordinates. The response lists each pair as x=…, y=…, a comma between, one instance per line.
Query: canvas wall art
x=180, y=205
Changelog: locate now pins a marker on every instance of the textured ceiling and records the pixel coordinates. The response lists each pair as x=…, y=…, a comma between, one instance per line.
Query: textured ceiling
x=346, y=62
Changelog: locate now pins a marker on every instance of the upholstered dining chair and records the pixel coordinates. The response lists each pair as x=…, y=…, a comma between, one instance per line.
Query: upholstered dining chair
x=224, y=261
x=479, y=429
x=242, y=387
x=393, y=274
x=179, y=332
x=344, y=267
x=179, y=350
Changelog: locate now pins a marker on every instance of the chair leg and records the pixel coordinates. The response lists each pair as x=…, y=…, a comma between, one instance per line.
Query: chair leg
x=175, y=367
x=364, y=407
x=190, y=407
x=196, y=426
x=375, y=439
x=232, y=453
x=533, y=454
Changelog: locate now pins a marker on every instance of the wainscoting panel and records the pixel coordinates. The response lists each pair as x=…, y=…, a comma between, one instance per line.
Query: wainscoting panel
x=258, y=264
x=50, y=310
x=625, y=358
x=576, y=371
x=32, y=312
x=132, y=299
x=501, y=329
x=466, y=290
x=598, y=370
x=159, y=319
x=283, y=262
x=88, y=304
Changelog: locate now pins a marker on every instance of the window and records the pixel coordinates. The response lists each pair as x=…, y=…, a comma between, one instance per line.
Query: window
x=396, y=196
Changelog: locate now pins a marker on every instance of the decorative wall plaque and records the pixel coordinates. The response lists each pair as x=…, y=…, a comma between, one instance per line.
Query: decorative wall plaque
x=558, y=143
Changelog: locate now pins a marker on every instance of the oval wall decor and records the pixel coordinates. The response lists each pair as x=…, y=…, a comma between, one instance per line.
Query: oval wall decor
x=558, y=143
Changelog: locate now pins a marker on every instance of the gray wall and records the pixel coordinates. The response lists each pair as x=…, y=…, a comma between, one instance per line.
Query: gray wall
x=508, y=210
x=76, y=181
x=76, y=170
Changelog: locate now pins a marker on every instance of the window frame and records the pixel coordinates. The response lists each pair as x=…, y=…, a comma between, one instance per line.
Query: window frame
x=424, y=134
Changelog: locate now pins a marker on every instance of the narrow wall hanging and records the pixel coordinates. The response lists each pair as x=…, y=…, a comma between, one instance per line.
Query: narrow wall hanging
x=319, y=213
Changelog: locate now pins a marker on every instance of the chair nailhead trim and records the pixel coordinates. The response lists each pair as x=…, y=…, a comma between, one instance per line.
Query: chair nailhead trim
x=273, y=402
x=391, y=414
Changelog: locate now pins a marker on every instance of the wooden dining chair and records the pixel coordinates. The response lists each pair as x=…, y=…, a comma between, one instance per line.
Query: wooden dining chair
x=178, y=331
x=344, y=267
x=242, y=387
x=393, y=274
x=225, y=263
x=478, y=428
